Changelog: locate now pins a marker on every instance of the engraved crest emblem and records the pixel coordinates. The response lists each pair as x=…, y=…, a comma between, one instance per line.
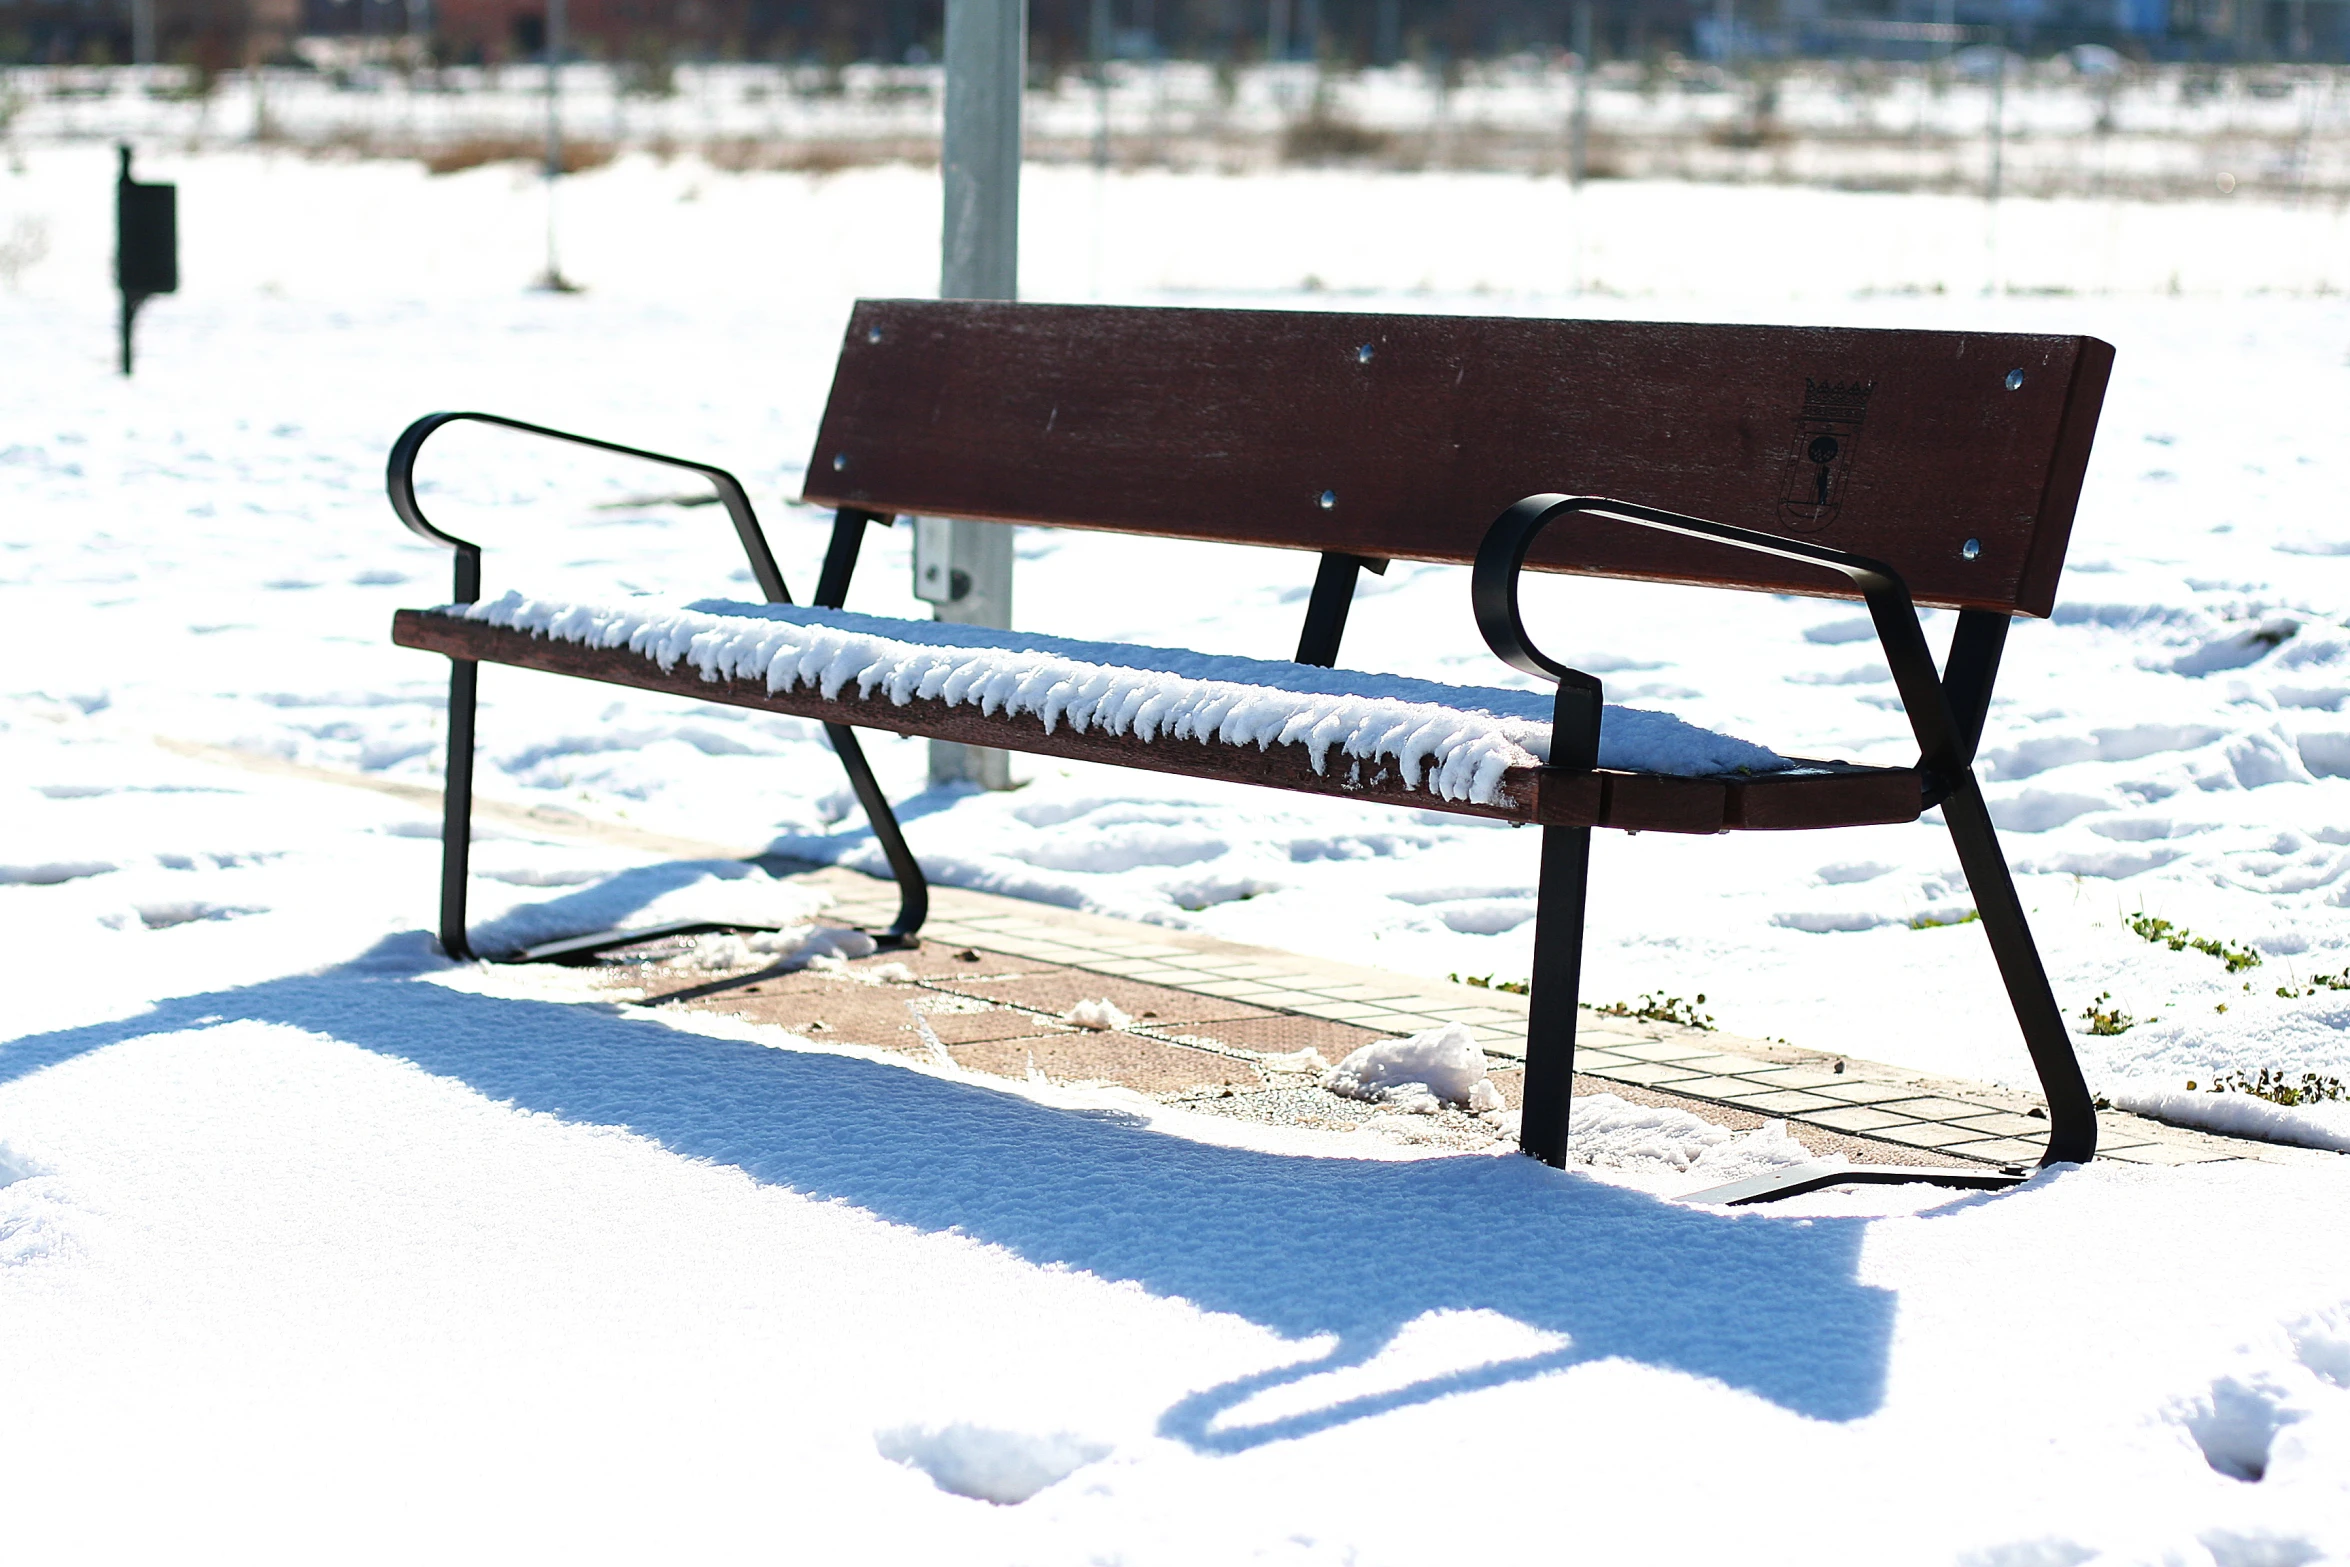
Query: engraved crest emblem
x=1827, y=439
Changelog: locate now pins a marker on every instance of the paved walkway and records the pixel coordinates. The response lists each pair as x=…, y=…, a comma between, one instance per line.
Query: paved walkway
x=1867, y=1110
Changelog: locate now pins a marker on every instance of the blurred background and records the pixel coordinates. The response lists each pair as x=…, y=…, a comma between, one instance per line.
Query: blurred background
x=2143, y=98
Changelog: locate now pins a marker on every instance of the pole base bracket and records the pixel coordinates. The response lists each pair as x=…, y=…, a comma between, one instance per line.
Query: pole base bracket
x=1797, y=1179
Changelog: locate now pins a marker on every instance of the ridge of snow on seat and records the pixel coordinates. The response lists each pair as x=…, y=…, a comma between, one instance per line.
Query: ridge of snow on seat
x=1464, y=737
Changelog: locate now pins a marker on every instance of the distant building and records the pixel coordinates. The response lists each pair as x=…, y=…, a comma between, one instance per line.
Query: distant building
x=213, y=35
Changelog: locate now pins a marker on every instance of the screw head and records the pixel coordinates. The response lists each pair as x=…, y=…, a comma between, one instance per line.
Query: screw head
x=1971, y=549
x=2015, y=380
x=873, y=334
x=840, y=460
x=1327, y=499
x=1363, y=354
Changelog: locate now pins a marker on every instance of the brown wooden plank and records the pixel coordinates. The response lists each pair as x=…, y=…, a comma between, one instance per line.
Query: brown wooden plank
x=1854, y=797
x=1648, y=802
x=1639, y=802
x=1232, y=424
x=2045, y=561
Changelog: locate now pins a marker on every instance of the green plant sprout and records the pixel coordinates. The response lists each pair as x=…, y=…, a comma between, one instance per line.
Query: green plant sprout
x=2273, y=1086
x=2316, y=983
x=1657, y=1008
x=2103, y=1017
x=1516, y=987
x=2178, y=938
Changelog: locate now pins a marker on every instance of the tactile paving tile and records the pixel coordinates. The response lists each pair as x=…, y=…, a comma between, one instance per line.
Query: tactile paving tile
x=1109, y=1056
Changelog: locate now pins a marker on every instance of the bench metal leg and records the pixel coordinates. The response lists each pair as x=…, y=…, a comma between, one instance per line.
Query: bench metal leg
x=832, y=590
x=913, y=886
x=457, y=808
x=1555, y=992
x=2072, y=1112
x=1333, y=596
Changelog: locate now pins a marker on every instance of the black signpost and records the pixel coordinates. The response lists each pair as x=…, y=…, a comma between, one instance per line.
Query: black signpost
x=146, y=245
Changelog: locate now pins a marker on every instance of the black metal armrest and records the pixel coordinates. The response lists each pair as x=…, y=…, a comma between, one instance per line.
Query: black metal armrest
x=1943, y=746
x=400, y=483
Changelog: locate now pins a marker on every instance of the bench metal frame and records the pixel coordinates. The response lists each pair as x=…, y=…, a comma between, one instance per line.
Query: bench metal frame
x=1946, y=712
x=832, y=587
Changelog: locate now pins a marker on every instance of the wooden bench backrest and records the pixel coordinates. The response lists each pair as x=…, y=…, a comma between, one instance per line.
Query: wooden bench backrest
x=1405, y=436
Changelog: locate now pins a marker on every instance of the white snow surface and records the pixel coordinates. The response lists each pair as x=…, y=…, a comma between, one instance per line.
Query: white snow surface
x=1455, y=741
x=312, y=1245
x=2324, y=1124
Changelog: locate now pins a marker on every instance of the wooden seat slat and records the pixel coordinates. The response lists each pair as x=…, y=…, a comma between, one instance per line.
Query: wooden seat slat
x=1234, y=425
x=1636, y=802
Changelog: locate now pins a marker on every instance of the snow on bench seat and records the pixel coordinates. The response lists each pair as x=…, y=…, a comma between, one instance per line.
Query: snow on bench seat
x=1380, y=739
x=1457, y=742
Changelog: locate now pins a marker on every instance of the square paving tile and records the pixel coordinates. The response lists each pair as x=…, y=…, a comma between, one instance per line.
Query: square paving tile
x=1659, y=1050
x=2008, y=1150
x=1928, y=1134
x=1855, y=1118
x=1793, y=1076
x=1721, y=1063
x=1782, y=1101
x=1346, y=1012
x=1230, y=989
x=1709, y=1087
x=1649, y=1073
x=2163, y=1154
x=1927, y=1108
x=1589, y=1060
x=2002, y=1123
x=1862, y=1091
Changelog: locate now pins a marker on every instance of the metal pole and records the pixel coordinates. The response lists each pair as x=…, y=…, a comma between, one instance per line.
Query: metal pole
x=1579, y=135
x=987, y=69
x=554, y=280
x=1998, y=166
x=122, y=260
x=143, y=33
x=1101, y=83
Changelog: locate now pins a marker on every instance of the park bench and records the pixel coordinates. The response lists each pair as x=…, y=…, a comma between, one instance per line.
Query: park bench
x=1900, y=468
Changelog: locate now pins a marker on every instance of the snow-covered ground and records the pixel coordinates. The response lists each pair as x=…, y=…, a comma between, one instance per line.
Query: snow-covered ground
x=300, y=1226
x=2171, y=744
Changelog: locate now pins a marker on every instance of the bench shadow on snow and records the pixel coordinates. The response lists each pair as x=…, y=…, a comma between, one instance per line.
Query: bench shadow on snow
x=1353, y=1249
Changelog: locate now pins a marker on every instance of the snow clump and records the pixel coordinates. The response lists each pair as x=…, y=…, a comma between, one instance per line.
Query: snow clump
x=1101, y=1014
x=801, y=946
x=1003, y=1467
x=1420, y=1075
